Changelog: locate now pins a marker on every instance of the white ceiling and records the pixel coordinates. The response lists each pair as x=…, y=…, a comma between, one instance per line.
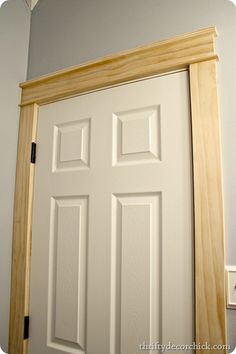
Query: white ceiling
x=32, y=3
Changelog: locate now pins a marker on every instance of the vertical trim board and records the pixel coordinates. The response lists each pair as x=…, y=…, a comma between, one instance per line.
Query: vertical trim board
x=22, y=230
x=208, y=200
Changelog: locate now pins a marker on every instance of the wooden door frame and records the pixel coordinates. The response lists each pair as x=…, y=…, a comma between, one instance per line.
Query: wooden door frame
x=194, y=52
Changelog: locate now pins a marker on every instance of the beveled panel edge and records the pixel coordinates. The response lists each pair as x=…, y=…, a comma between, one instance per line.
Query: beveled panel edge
x=54, y=341
x=153, y=199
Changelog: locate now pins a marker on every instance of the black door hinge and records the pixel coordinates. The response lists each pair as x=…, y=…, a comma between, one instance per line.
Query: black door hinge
x=26, y=327
x=33, y=153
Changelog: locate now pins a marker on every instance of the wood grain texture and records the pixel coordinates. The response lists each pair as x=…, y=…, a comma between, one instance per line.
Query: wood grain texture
x=22, y=230
x=141, y=62
x=192, y=51
x=208, y=200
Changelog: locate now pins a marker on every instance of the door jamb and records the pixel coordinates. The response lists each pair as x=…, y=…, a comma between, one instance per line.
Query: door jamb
x=194, y=52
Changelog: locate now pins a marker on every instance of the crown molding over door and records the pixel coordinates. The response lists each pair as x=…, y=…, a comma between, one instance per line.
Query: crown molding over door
x=194, y=52
x=152, y=59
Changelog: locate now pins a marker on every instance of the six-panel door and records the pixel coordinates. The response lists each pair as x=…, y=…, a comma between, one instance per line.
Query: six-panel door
x=112, y=255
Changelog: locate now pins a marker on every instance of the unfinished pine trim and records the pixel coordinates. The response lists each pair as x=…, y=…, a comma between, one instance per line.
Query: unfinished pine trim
x=208, y=205
x=194, y=52
x=22, y=223
x=141, y=62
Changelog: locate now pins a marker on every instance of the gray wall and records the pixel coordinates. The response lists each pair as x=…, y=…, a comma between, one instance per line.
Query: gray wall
x=70, y=32
x=14, y=40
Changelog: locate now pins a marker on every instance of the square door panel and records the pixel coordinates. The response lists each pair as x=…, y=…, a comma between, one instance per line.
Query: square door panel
x=137, y=136
x=71, y=145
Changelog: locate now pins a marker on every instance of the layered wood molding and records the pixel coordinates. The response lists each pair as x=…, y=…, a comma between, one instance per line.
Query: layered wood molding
x=194, y=52
x=138, y=63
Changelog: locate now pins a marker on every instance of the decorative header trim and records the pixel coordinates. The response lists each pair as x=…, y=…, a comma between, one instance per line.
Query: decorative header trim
x=145, y=61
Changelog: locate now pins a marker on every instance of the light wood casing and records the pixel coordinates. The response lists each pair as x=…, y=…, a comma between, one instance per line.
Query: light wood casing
x=194, y=52
x=22, y=229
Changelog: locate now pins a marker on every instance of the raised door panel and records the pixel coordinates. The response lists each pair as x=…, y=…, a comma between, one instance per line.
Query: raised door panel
x=67, y=274
x=135, y=277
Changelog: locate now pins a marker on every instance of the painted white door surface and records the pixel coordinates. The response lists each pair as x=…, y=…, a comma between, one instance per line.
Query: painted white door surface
x=112, y=252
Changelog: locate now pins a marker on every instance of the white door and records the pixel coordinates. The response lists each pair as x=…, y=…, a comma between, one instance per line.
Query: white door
x=112, y=253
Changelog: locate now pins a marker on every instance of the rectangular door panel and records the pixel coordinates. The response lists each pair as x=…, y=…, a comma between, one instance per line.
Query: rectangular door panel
x=67, y=273
x=135, y=272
